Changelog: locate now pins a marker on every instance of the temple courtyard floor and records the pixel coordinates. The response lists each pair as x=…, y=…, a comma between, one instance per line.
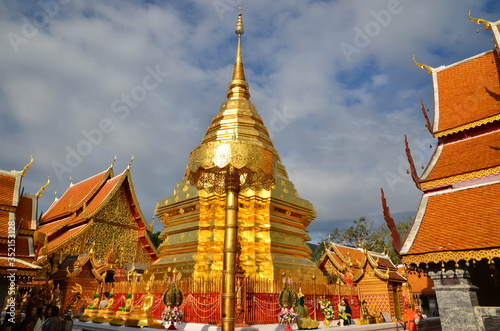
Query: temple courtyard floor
x=428, y=324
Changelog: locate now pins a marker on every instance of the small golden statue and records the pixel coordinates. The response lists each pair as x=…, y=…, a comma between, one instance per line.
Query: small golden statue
x=141, y=314
x=92, y=310
x=123, y=313
x=106, y=312
x=366, y=318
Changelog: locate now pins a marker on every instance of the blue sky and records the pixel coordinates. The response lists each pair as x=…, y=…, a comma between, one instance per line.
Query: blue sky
x=333, y=80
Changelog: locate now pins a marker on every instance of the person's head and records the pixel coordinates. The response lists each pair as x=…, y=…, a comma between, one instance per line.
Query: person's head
x=45, y=311
x=106, y=294
x=53, y=311
x=36, y=311
x=408, y=306
x=345, y=302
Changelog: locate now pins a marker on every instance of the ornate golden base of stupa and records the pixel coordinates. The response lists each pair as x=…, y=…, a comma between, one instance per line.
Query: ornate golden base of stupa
x=271, y=233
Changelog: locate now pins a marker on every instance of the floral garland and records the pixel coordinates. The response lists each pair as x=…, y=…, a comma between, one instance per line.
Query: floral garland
x=342, y=314
x=287, y=316
x=326, y=308
x=172, y=314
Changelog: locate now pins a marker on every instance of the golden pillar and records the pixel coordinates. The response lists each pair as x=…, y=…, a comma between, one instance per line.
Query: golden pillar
x=230, y=243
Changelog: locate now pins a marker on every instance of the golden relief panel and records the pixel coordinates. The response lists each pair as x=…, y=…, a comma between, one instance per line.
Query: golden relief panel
x=71, y=246
x=117, y=210
x=143, y=256
x=460, y=178
x=105, y=235
x=455, y=256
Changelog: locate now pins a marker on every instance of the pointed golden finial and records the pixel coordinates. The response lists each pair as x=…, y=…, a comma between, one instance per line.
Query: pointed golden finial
x=130, y=163
x=39, y=193
x=486, y=24
x=238, y=87
x=113, y=163
x=151, y=227
x=422, y=66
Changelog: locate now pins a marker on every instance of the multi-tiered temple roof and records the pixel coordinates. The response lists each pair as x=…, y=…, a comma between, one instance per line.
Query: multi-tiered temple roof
x=100, y=213
x=18, y=221
x=458, y=218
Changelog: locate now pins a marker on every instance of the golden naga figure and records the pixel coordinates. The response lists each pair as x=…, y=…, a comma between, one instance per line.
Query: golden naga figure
x=141, y=315
x=92, y=310
x=123, y=313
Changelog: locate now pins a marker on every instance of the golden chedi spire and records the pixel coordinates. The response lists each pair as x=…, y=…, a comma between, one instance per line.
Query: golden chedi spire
x=236, y=138
x=235, y=187
x=238, y=87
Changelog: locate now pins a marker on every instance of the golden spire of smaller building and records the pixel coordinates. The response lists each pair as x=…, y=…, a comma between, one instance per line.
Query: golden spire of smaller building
x=238, y=87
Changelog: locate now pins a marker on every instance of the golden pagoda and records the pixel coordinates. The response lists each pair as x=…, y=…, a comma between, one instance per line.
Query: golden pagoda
x=271, y=217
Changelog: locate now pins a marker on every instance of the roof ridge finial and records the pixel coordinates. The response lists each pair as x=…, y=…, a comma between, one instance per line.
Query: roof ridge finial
x=238, y=87
x=113, y=163
x=39, y=193
x=130, y=163
x=486, y=24
x=423, y=66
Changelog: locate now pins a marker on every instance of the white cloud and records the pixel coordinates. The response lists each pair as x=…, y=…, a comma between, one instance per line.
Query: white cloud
x=342, y=138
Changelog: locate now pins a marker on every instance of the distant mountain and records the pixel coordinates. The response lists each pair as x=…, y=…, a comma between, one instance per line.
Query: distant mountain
x=312, y=246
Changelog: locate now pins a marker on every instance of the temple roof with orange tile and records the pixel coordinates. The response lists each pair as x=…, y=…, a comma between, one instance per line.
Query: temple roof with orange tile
x=457, y=220
x=71, y=215
x=468, y=93
x=75, y=196
x=477, y=156
x=356, y=256
x=20, y=210
x=8, y=193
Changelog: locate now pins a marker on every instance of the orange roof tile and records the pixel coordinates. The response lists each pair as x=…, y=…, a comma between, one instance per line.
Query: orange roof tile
x=75, y=196
x=49, y=226
x=25, y=211
x=7, y=188
x=64, y=236
x=468, y=91
x=4, y=226
x=462, y=219
x=103, y=193
x=468, y=155
x=18, y=264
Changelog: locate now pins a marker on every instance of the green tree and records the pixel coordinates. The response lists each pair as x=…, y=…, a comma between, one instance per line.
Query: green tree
x=363, y=232
x=155, y=238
